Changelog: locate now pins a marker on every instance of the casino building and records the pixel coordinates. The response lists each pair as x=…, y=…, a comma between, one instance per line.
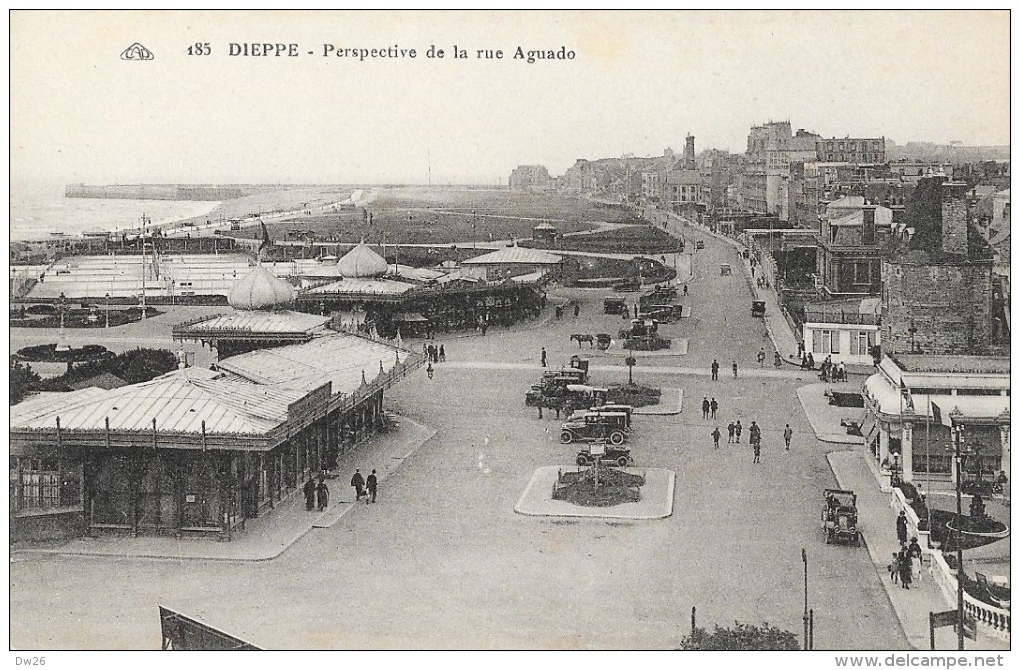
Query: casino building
x=196, y=451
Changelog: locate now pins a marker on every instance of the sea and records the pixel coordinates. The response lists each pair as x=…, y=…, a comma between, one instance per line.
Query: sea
x=37, y=210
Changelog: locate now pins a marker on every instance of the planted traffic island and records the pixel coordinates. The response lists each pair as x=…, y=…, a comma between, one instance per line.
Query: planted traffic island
x=621, y=493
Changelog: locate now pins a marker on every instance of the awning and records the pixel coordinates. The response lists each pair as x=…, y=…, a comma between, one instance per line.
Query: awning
x=869, y=426
x=410, y=317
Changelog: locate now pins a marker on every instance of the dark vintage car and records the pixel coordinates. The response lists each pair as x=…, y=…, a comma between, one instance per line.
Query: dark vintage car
x=589, y=427
x=614, y=305
x=612, y=455
x=839, y=517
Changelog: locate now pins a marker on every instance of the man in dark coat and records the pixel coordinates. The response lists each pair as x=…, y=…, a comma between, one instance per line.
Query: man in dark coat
x=309, y=491
x=322, y=494
x=715, y=436
x=738, y=429
x=358, y=482
x=372, y=484
x=705, y=408
x=714, y=406
x=715, y=370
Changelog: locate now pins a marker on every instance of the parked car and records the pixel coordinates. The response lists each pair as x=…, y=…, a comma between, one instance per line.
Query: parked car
x=592, y=427
x=613, y=455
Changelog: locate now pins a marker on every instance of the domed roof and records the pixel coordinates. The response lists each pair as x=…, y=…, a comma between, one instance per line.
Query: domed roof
x=260, y=289
x=362, y=262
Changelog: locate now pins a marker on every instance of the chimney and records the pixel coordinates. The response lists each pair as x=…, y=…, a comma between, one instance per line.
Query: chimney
x=954, y=218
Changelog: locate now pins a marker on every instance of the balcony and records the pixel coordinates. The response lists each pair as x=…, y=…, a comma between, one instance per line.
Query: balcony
x=838, y=315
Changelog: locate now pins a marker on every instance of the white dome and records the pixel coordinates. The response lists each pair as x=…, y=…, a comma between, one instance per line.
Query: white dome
x=362, y=262
x=260, y=289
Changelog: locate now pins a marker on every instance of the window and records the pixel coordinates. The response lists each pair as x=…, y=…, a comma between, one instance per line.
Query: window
x=978, y=392
x=861, y=342
x=39, y=483
x=825, y=341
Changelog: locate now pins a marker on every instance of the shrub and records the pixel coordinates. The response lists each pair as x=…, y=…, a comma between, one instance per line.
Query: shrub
x=742, y=637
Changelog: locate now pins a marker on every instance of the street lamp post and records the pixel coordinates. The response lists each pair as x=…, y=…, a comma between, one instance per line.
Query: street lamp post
x=803, y=556
x=958, y=430
x=107, y=310
x=474, y=229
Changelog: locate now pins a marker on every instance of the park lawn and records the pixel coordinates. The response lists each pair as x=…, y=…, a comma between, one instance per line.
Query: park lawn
x=445, y=216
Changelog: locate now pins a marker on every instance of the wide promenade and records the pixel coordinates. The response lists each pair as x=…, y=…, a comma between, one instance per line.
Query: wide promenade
x=442, y=561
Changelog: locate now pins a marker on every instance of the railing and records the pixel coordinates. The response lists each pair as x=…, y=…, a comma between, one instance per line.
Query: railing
x=840, y=316
x=992, y=621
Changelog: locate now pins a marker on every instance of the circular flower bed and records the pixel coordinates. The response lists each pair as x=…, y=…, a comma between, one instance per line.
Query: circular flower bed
x=614, y=487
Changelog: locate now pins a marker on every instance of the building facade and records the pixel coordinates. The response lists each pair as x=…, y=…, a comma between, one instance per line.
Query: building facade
x=851, y=150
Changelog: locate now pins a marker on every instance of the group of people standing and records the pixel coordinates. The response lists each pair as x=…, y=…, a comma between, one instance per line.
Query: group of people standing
x=906, y=563
x=434, y=354
x=317, y=495
x=735, y=428
x=715, y=370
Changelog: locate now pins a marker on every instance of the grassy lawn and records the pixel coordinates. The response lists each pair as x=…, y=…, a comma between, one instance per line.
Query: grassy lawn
x=445, y=216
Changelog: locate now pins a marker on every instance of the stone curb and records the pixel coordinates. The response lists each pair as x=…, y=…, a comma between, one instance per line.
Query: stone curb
x=594, y=513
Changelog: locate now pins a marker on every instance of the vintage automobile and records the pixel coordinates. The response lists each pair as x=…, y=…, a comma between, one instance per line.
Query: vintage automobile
x=758, y=308
x=839, y=517
x=611, y=455
x=591, y=427
x=614, y=305
x=659, y=295
x=662, y=313
x=618, y=407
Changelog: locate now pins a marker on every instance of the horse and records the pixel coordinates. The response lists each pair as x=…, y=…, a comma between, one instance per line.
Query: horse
x=583, y=338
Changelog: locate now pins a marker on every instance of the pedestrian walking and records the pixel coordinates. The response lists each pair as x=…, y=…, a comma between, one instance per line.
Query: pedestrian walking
x=915, y=556
x=906, y=579
x=442, y=353
x=761, y=358
x=714, y=407
x=309, y=491
x=577, y=309
x=755, y=433
x=757, y=452
x=322, y=494
x=358, y=482
x=373, y=484
x=738, y=429
x=715, y=436
x=685, y=289
x=777, y=360
x=715, y=370
x=706, y=407
x=787, y=436
x=734, y=369
x=543, y=357
x=730, y=429
x=429, y=370
x=539, y=409
x=901, y=527
x=894, y=568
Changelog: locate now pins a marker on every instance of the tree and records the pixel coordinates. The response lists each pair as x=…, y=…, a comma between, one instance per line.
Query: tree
x=22, y=381
x=742, y=637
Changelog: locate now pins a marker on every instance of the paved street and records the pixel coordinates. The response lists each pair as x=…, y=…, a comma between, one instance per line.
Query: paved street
x=442, y=561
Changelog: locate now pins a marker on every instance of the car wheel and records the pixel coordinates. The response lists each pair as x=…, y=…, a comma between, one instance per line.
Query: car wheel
x=583, y=460
x=623, y=461
x=616, y=437
x=566, y=437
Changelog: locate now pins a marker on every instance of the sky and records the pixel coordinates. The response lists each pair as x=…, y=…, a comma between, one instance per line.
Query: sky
x=638, y=82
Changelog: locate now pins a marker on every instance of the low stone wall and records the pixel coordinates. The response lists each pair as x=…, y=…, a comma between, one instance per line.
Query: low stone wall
x=39, y=526
x=991, y=621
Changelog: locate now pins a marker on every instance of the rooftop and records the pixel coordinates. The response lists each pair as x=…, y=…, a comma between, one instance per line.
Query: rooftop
x=972, y=364
x=510, y=255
